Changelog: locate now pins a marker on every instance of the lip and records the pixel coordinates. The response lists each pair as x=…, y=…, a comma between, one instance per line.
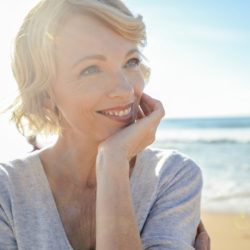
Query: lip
x=116, y=109
x=123, y=119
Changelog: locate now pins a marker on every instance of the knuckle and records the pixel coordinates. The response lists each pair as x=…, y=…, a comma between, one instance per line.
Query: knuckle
x=163, y=112
x=152, y=136
x=161, y=108
x=159, y=103
x=150, y=141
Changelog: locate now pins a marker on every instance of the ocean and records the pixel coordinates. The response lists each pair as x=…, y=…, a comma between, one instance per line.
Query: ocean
x=221, y=148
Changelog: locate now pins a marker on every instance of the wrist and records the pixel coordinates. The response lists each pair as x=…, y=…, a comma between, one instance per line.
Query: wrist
x=109, y=153
x=109, y=159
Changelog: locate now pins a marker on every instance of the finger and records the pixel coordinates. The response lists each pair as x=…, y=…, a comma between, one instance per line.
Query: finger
x=150, y=105
x=149, y=101
x=140, y=114
x=145, y=107
x=202, y=242
x=201, y=228
x=153, y=118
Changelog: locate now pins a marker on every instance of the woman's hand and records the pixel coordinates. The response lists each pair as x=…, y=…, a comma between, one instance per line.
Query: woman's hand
x=128, y=142
x=202, y=241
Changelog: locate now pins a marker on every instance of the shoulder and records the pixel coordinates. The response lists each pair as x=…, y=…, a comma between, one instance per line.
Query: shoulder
x=17, y=166
x=170, y=165
x=169, y=161
x=14, y=174
x=175, y=209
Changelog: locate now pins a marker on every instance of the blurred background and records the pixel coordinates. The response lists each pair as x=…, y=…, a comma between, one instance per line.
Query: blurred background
x=199, y=53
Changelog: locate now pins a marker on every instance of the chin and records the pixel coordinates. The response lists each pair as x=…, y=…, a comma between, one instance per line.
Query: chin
x=109, y=132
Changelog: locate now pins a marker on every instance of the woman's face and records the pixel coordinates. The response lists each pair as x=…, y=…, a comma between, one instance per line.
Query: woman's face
x=97, y=73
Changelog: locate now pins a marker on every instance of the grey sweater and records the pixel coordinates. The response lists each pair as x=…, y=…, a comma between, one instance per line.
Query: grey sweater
x=165, y=187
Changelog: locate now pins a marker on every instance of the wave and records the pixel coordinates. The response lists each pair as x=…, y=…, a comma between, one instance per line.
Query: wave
x=232, y=196
x=212, y=141
x=206, y=123
x=214, y=136
x=236, y=203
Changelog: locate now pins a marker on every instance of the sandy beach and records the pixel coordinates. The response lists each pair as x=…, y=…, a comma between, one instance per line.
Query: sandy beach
x=228, y=231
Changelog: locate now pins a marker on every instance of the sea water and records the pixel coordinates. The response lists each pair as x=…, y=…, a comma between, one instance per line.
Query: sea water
x=221, y=148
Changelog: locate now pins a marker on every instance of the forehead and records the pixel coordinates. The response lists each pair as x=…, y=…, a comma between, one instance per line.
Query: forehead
x=85, y=35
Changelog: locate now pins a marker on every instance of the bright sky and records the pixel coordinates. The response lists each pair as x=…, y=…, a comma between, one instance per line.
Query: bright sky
x=199, y=52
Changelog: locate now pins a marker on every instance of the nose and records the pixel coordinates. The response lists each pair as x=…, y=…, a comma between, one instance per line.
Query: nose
x=121, y=88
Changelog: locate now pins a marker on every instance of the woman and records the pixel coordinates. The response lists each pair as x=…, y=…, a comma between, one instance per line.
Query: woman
x=79, y=71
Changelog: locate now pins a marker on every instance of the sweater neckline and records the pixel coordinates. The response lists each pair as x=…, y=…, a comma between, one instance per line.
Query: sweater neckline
x=51, y=200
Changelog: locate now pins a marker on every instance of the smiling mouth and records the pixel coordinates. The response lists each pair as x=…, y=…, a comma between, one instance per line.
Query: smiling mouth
x=124, y=115
x=117, y=113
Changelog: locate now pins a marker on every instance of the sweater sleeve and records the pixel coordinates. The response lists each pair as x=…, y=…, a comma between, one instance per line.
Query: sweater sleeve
x=175, y=214
x=7, y=239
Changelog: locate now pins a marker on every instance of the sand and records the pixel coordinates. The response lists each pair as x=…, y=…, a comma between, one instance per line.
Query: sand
x=228, y=231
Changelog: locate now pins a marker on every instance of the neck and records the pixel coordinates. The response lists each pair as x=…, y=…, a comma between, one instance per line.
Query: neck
x=72, y=159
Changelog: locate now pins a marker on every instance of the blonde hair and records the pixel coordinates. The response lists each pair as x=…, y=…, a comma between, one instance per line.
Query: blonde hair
x=33, y=62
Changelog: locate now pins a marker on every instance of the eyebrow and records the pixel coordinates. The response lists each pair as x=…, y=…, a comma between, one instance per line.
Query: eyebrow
x=102, y=57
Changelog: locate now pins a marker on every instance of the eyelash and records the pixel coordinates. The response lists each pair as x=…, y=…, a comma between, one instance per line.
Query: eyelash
x=135, y=59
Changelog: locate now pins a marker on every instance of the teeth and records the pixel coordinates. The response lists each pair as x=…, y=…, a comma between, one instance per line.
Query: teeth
x=121, y=113
x=127, y=111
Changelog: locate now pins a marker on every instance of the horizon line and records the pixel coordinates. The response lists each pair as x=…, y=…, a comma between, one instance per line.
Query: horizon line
x=208, y=117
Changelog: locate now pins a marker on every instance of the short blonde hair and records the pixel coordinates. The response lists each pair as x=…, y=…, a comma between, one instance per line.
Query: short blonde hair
x=33, y=61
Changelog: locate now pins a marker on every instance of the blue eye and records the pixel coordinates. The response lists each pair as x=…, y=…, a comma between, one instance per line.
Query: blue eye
x=89, y=70
x=133, y=62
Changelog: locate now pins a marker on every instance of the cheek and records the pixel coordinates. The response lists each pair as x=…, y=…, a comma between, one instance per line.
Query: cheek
x=75, y=105
x=139, y=84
